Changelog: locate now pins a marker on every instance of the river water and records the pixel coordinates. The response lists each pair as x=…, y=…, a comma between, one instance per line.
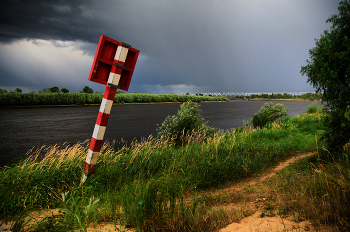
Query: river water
x=23, y=128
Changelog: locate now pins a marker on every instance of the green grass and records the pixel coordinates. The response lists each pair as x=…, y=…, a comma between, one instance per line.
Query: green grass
x=317, y=190
x=145, y=186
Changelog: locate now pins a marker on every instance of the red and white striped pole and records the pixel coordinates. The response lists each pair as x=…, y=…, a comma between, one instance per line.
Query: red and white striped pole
x=105, y=109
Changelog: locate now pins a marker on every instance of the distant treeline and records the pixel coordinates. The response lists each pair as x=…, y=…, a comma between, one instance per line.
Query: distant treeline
x=306, y=96
x=32, y=99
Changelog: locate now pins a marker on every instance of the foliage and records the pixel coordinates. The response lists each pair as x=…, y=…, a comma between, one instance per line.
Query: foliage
x=45, y=90
x=317, y=190
x=279, y=96
x=313, y=108
x=87, y=89
x=337, y=134
x=268, y=113
x=54, y=89
x=3, y=91
x=186, y=123
x=18, y=90
x=33, y=99
x=64, y=90
x=329, y=71
x=329, y=66
x=47, y=98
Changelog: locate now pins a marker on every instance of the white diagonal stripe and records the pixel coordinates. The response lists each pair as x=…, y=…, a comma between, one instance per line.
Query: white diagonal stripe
x=99, y=132
x=106, y=106
x=114, y=78
x=121, y=54
x=91, y=157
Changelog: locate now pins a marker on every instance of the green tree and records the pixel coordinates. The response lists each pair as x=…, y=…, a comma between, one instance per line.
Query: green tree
x=45, y=90
x=18, y=90
x=87, y=89
x=186, y=123
x=64, y=90
x=54, y=89
x=328, y=70
x=3, y=91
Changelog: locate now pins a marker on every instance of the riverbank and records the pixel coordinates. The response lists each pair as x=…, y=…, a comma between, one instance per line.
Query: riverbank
x=266, y=99
x=58, y=99
x=252, y=204
x=286, y=96
x=147, y=186
x=115, y=104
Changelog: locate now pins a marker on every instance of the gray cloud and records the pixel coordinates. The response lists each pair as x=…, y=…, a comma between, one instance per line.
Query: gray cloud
x=210, y=45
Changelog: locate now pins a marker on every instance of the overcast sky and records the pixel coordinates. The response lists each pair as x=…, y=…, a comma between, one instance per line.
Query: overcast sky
x=185, y=45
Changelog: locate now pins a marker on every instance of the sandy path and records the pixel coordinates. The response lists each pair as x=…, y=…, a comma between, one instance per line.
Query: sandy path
x=256, y=223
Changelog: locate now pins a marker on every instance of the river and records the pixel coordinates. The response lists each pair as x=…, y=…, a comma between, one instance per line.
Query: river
x=23, y=128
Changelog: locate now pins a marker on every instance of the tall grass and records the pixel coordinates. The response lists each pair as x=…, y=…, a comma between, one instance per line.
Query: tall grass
x=318, y=190
x=145, y=185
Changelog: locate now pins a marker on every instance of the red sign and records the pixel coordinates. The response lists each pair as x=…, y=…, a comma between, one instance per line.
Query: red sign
x=105, y=62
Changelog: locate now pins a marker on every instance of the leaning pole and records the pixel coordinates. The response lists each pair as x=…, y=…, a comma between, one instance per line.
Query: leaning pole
x=113, y=66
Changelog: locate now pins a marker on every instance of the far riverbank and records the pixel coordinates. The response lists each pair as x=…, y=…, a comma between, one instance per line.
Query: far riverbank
x=48, y=99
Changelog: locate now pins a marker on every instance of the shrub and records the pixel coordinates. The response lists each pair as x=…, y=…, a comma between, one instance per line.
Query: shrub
x=187, y=123
x=269, y=113
x=313, y=108
x=337, y=133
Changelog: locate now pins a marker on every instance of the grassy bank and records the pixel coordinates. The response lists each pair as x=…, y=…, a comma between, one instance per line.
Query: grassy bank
x=36, y=99
x=146, y=186
x=316, y=190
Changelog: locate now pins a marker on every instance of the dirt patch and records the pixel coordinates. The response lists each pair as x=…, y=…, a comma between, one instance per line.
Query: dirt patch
x=260, y=223
x=257, y=217
x=266, y=175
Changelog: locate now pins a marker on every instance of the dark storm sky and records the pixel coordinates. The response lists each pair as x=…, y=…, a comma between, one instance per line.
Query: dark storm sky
x=185, y=45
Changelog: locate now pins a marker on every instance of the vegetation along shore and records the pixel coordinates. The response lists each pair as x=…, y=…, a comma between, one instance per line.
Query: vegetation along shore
x=283, y=97
x=164, y=182
x=49, y=98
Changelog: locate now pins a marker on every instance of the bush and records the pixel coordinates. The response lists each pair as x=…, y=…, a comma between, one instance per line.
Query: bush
x=337, y=133
x=313, y=108
x=268, y=113
x=187, y=123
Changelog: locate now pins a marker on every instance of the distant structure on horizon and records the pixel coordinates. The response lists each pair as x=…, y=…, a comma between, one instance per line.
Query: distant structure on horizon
x=242, y=94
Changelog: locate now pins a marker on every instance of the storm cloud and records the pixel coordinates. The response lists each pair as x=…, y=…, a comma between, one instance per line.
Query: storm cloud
x=185, y=46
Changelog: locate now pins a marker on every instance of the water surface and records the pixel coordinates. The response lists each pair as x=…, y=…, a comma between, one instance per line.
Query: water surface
x=25, y=127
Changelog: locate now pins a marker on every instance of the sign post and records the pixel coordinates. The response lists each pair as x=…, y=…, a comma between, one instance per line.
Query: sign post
x=113, y=66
